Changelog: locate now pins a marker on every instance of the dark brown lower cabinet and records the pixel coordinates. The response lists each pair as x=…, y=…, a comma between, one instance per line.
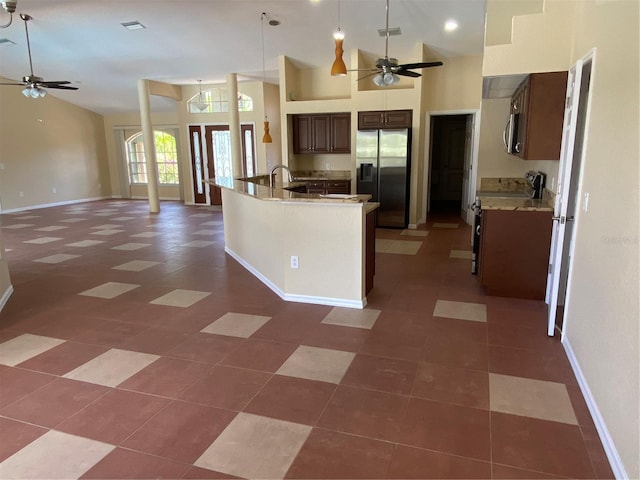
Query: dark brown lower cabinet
x=514, y=253
x=323, y=187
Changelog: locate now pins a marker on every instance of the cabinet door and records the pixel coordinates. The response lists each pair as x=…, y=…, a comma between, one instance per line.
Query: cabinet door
x=317, y=186
x=398, y=119
x=370, y=120
x=302, y=134
x=338, y=186
x=341, y=133
x=320, y=127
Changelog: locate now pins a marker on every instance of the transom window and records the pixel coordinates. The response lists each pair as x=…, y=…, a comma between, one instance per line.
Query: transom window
x=166, y=159
x=216, y=100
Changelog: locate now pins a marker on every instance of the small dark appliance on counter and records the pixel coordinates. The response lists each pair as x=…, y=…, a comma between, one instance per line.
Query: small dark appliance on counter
x=535, y=184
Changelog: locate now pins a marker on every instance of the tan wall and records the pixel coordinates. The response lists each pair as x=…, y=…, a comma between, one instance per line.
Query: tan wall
x=48, y=144
x=325, y=238
x=500, y=14
x=602, y=324
x=457, y=85
x=493, y=161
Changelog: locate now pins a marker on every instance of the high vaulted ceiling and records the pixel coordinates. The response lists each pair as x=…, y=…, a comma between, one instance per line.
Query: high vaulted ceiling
x=186, y=40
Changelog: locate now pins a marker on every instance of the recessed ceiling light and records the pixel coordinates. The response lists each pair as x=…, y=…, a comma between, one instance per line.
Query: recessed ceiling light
x=6, y=41
x=135, y=25
x=450, y=25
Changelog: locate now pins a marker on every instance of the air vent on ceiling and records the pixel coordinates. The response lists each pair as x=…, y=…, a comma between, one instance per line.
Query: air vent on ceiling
x=393, y=31
x=6, y=41
x=135, y=25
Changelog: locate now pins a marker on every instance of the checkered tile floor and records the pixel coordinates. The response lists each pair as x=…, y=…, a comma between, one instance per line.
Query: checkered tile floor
x=138, y=349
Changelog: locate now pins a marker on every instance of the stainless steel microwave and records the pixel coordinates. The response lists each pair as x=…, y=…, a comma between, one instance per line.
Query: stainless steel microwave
x=510, y=135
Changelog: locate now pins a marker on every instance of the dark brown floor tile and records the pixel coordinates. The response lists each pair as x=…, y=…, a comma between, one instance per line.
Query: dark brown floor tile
x=377, y=373
x=121, y=463
x=292, y=399
x=109, y=333
x=166, y=377
x=446, y=428
x=63, y=358
x=595, y=450
x=15, y=435
x=579, y=406
x=521, y=362
x=452, y=353
x=205, y=347
x=409, y=462
x=452, y=385
x=113, y=417
x=54, y=403
x=226, y=387
x=255, y=354
x=335, y=337
x=522, y=336
x=462, y=331
x=505, y=472
x=197, y=473
x=181, y=431
x=400, y=346
x=539, y=445
x=157, y=341
x=328, y=454
x=17, y=383
x=365, y=412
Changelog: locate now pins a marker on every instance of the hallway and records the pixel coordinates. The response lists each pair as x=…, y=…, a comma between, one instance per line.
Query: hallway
x=134, y=347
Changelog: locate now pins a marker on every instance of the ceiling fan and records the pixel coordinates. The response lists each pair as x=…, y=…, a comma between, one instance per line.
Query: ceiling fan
x=34, y=85
x=387, y=69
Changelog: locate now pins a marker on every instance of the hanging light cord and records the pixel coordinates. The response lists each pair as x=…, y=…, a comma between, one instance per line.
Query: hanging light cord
x=264, y=75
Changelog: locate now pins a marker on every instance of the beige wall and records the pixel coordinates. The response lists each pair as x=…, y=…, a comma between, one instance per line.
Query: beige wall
x=48, y=144
x=493, y=161
x=601, y=312
x=500, y=15
x=457, y=85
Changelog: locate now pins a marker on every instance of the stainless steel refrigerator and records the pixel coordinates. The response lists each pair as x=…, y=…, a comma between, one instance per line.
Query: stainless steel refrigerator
x=382, y=170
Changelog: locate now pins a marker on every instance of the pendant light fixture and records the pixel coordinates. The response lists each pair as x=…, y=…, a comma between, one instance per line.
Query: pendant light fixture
x=338, y=68
x=201, y=104
x=266, y=138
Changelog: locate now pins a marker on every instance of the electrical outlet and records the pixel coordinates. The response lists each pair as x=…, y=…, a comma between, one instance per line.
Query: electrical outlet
x=54, y=190
x=294, y=261
x=327, y=166
x=585, y=203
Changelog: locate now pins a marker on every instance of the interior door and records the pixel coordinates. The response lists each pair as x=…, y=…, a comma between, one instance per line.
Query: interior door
x=218, y=140
x=197, y=164
x=466, y=170
x=558, y=236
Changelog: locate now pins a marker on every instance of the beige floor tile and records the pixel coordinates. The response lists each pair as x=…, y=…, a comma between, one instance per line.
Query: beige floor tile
x=57, y=258
x=255, y=447
x=200, y=215
x=404, y=247
x=315, y=363
x=212, y=223
x=135, y=265
x=24, y=347
x=123, y=219
x=531, y=398
x=445, y=225
x=236, y=325
x=351, y=317
x=51, y=228
x=205, y=232
x=112, y=367
x=105, y=232
x=465, y=254
x=85, y=243
x=198, y=243
x=476, y=312
x=55, y=455
x=382, y=244
x=107, y=210
x=104, y=214
x=18, y=226
x=73, y=220
x=106, y=226
x=43, y=240
x=415, y=233
x=131, y=246
x=146, y=235
x=180, y=298
x=109, y=290
x=27, y=217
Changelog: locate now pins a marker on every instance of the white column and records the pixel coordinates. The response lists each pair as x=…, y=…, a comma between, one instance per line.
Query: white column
x=234, y=125
x=149, y=146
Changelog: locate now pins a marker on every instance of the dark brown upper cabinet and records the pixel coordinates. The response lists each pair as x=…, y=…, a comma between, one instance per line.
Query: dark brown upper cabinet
x=538, y=103
x=384, y=119
x=322, y=133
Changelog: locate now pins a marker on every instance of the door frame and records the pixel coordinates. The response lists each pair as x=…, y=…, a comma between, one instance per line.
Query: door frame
x=560, y=206
x=475, y=114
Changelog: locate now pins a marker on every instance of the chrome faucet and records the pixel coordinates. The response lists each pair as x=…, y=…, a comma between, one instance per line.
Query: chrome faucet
x=283, y=167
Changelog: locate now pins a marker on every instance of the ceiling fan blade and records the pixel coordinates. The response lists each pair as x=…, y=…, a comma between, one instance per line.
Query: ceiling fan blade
x=60, y=87
x=409, y=66
x=408, y=73
x=15, y=83
x=51, y=83
x=367, y=76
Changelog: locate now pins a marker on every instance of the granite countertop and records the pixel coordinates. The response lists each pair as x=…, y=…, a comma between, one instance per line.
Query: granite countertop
x=514, y=203
x=306, y=175
x=261, y=190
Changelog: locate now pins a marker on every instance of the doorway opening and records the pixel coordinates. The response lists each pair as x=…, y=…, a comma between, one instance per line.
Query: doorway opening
x=450, y=153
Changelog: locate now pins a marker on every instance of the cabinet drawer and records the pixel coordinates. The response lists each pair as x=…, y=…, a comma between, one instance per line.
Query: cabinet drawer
x=316, y=186
x=339, y=186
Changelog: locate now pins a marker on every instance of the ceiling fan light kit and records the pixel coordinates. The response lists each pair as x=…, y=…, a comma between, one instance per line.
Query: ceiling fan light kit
x=9, y=6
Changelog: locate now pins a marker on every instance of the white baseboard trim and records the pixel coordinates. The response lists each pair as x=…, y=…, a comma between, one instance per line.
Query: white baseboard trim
x=56, y=204
x=603, y=432
x=289, y=297
x=5, y=297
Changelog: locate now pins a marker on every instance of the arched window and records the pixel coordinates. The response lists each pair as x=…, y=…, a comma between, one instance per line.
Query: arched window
x=166, y=159
x=216, y=100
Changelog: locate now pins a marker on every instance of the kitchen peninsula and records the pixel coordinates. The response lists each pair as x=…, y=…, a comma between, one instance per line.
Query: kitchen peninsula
x=310, y=248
